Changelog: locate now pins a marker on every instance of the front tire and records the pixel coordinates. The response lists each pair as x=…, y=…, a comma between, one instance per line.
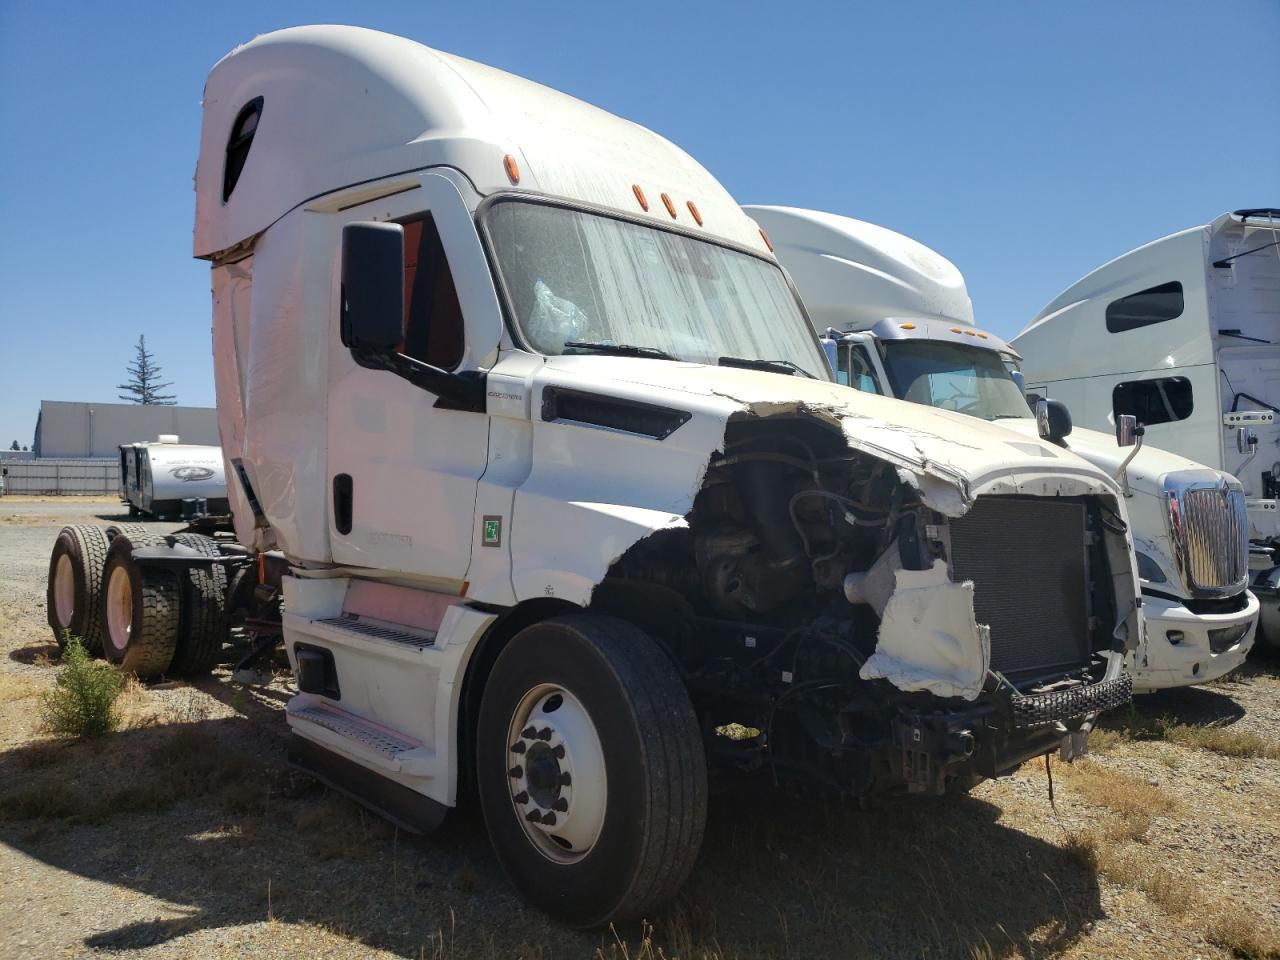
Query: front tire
x=591, y=770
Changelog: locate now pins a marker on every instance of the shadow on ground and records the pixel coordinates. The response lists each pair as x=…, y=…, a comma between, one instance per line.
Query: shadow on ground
x=205, y=816
x=35, y=653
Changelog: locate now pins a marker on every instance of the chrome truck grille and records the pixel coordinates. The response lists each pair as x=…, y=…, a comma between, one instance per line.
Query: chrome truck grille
x=1210, y=532
x=1027, y=559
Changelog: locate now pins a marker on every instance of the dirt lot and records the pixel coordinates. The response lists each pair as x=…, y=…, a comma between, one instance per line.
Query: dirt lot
x=184, y=834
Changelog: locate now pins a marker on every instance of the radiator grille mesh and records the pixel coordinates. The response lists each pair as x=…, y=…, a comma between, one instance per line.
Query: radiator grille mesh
x=1026, y=558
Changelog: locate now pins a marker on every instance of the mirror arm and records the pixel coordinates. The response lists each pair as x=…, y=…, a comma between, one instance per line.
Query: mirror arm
x=457, y=391
x=1122, y=474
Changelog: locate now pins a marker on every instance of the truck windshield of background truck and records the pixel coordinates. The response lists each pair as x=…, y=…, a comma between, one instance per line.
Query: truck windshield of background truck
x=953, y=377
x=579, y=282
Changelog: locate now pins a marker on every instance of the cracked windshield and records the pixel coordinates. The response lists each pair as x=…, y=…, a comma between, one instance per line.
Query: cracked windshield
x=582, y=283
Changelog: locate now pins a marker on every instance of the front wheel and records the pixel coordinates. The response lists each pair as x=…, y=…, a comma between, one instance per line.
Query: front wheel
x=591, y=771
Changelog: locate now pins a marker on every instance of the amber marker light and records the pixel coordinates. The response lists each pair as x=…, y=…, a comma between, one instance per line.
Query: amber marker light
x=907, y=326
x=671, y=207
x=765, y=237
x=513, y=169
x=982, y=335
x=644, y=204
x=970, y=333
x=697, y=217
x=956, y=330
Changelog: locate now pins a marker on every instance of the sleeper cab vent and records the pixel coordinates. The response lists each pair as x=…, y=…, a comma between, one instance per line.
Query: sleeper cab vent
x=238, y=144
x=630, y=416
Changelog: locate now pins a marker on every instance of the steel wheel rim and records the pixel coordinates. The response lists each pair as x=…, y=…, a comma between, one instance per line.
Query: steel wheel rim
x=119, y=609
x=556, y=774
x=64, y=591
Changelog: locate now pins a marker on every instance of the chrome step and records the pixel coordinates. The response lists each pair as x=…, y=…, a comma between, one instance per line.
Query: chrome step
x=352, y=623
x=360, y=739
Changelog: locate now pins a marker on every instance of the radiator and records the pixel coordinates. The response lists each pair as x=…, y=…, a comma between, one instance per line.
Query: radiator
x=1026, y=557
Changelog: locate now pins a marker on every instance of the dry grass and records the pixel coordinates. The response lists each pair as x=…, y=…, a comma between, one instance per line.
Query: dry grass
x=1234, y=930
x=1136, y=801
x=1223, y=740
x=14, y=686
x=1133, y=726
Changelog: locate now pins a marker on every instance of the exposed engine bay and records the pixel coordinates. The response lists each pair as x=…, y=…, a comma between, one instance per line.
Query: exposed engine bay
x=835, y=629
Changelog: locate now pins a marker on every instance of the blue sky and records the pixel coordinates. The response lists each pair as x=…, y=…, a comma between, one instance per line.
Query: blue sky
x=1027, y=142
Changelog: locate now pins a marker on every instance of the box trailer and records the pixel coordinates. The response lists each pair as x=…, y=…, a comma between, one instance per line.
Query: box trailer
x=166, y=478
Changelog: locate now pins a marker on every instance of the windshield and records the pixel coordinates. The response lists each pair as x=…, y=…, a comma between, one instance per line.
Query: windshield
x=581, y=282
x=954, y=377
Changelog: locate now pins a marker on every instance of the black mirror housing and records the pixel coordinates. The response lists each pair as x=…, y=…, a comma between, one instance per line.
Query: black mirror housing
x=1053, y=420
x=372, y=316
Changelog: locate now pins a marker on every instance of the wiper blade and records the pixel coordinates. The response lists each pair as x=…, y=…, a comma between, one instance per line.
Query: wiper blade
x=619, y=349
x=774, y=366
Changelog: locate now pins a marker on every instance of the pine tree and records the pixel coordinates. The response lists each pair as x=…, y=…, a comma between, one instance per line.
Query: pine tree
x=144, y=374
x=15, y=446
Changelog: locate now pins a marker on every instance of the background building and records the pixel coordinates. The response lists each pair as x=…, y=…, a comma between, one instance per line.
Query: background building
x=90, y=430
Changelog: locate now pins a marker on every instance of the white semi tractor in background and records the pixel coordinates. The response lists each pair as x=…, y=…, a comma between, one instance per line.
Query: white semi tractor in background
x=902, y=325
x=1184, y=332
x=530, y=434
x=166, y=478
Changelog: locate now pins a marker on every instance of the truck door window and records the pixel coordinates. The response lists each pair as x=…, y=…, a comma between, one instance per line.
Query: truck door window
x=432, y=315
x=857, y=371
x=1162, y=400
x=1141, y=309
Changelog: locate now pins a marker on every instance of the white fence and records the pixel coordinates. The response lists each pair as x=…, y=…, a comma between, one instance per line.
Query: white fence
x=58, y=477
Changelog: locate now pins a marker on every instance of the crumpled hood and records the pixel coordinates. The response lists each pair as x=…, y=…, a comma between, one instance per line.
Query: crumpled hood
x=939, y=449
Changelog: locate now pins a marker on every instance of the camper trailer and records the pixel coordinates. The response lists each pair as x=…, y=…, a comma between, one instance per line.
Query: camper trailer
x=1183, y=333
x=166, y=478
x=899, y=319
x=534, y=438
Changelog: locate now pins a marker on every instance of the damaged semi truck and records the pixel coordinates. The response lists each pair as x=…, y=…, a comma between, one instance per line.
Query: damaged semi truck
x=901, y=323
x=566, y=505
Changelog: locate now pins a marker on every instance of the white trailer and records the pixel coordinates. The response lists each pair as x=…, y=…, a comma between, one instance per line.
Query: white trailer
x=566, y=506
x=902, y=323
x=167, y=478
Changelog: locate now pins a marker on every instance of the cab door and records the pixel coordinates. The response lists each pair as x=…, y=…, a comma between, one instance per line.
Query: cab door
x=402, y=468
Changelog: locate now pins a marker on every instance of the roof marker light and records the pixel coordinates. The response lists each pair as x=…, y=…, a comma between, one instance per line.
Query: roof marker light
x=970, y=333
x=956, y=330
x=982, y=335
x=907, y=326
x=697, y=217
x=644, y=204
x=765, y=237
x=671, y=207
x=513, y=169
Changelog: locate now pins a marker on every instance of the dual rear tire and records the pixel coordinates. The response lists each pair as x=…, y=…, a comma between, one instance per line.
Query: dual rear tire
x=590, y=769
x=147, y=620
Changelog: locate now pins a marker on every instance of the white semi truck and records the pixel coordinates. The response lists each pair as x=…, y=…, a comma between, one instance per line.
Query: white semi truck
x=531, y=435
x=1184, y=332
x=902, y=324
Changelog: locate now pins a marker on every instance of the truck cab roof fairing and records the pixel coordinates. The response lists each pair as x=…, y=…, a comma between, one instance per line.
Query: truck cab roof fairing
x=346, y=105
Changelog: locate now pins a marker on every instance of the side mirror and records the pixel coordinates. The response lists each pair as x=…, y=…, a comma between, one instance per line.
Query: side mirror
x=829, y=347
x=1126, y=430
x=1053, y=420
x=372, y=286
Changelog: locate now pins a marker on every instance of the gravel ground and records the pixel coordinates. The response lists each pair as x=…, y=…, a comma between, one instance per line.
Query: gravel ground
x=184, y=834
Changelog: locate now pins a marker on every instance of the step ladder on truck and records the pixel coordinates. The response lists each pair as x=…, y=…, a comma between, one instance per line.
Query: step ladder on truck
x=563, y=505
